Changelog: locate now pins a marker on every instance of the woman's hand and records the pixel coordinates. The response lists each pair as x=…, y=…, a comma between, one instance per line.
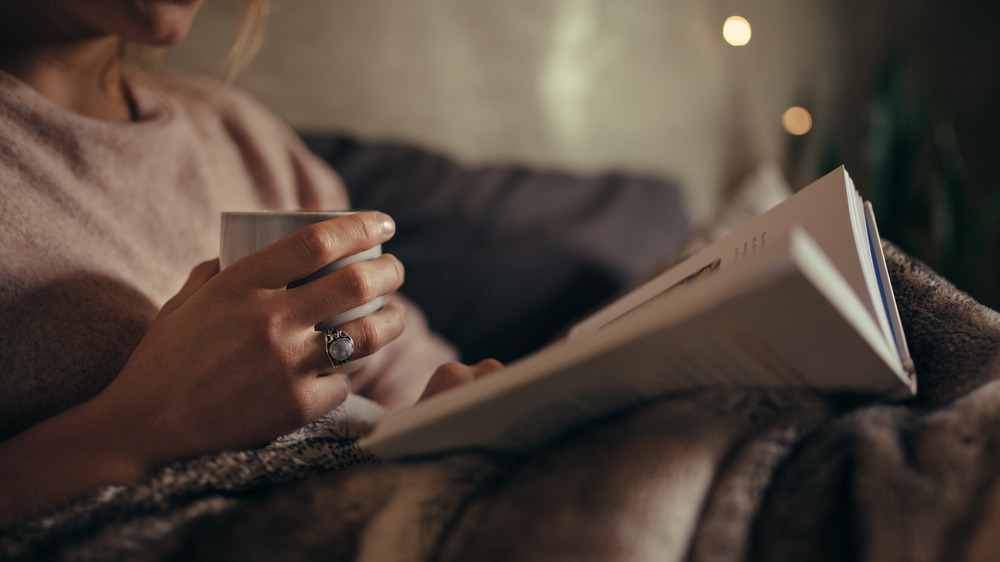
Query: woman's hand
x=234, y=361
x=455, y=374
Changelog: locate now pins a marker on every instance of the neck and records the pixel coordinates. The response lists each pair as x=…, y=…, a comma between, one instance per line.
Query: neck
x=82, y=75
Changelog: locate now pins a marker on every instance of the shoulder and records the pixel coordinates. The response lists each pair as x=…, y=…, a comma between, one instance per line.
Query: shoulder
x=269, y=148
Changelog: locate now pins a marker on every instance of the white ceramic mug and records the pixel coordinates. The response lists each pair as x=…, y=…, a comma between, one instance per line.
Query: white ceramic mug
x=244, y=233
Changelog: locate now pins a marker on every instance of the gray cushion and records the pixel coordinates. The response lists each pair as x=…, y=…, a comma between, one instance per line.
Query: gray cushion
x=500, y=257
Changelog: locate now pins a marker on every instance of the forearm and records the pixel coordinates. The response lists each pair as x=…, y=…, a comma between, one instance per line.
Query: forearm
x=232, y=361
x=55, y=461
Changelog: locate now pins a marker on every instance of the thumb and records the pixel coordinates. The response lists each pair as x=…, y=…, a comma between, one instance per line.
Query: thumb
x=198, y=277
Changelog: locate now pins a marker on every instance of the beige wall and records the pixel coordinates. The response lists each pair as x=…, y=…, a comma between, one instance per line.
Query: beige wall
x=640, y=85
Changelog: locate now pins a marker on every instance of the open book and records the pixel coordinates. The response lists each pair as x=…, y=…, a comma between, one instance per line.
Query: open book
x=798, y=297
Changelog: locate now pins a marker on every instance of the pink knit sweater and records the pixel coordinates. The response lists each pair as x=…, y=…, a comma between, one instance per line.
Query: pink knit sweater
x=102, y=222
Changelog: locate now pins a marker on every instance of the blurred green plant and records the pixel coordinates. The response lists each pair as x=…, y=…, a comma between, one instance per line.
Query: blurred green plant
x=919, y=185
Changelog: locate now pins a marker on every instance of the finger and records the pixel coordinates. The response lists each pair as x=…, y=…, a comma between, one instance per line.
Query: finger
x=197, y=278
x=327, y=393
x=447, y=376
x=368, y=333
x=312, y=247
x=486, y=367
x=454, y=374
x=344, y=289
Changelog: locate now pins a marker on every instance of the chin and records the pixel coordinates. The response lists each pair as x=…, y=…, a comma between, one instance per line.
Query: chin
x=160, y=38
x=160, y=23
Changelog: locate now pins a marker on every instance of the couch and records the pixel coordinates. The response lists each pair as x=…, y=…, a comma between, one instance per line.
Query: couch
x=715, y=474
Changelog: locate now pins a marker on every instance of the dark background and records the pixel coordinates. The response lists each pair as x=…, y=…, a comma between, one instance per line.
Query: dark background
x=918, y=126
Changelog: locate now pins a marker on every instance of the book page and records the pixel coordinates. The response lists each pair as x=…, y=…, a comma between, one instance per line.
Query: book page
x=789, y=321
x=886, y=292
x=824, y=209
x=865, y=244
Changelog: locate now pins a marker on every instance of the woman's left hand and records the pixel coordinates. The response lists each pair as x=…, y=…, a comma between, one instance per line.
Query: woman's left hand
x=455, y=374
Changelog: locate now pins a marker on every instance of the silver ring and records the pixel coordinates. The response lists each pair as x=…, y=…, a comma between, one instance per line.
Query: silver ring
x=339, y=347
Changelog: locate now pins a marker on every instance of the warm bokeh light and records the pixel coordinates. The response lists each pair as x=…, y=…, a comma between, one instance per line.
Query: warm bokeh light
x=796, y=120
x=736, y=31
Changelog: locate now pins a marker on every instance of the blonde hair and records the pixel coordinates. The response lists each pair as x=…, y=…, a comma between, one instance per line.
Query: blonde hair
x=249, y=38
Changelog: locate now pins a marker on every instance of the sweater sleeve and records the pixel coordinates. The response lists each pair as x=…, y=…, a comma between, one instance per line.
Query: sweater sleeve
x=396, y=375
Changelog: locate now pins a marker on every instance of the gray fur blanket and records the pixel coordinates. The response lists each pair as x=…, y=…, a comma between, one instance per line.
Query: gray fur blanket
x=712, y=475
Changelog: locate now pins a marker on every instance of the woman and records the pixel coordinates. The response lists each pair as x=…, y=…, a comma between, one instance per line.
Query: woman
x=112, y=184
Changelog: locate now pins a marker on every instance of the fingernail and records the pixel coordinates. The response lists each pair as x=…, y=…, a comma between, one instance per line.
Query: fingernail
x=388, y=225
